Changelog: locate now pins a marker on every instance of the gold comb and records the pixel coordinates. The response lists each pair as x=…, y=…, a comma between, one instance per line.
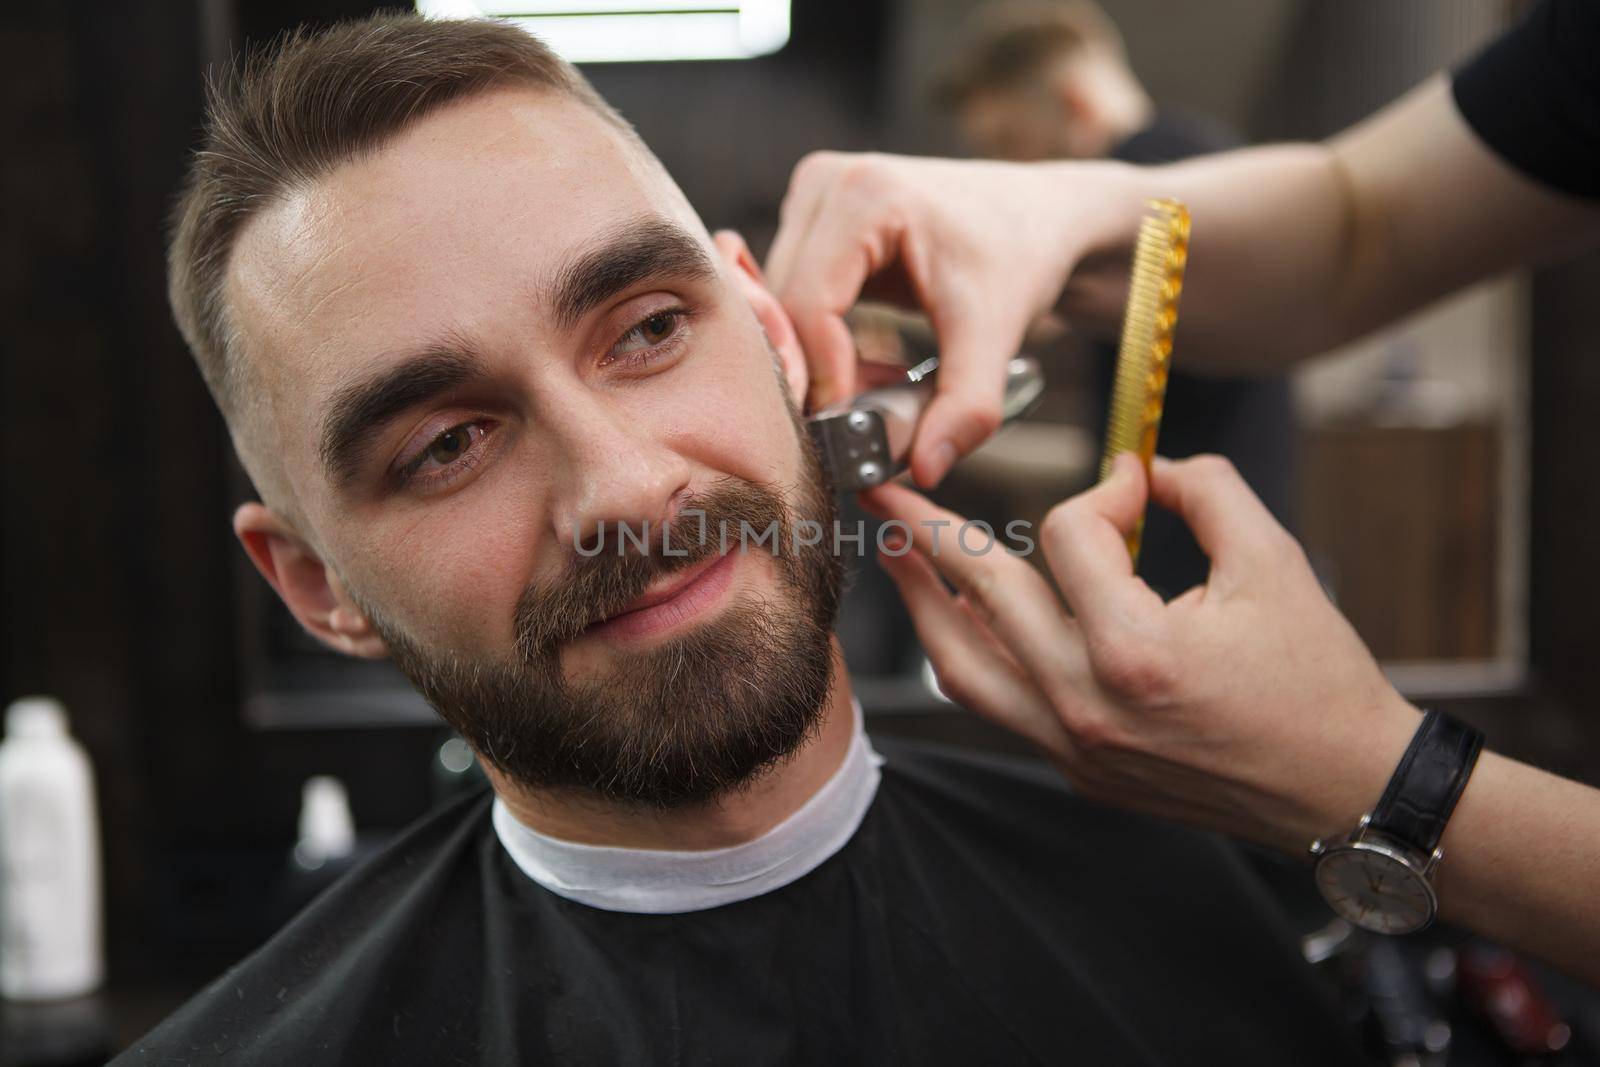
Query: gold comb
x=1144, y=357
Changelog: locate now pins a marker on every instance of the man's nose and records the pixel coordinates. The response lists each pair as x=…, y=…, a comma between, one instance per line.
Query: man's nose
x=614, y=473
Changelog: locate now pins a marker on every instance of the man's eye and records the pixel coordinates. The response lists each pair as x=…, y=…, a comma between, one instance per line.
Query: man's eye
x=448, y=446
x=648, y=334
x=447, y=455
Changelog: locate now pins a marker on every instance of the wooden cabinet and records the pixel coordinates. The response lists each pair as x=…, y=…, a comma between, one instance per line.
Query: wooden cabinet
x=1402, y=525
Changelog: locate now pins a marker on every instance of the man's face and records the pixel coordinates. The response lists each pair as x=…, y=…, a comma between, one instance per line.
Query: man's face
x=484, y=347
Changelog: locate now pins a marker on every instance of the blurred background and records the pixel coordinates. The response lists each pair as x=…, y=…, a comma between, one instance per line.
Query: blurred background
x=1433, y=471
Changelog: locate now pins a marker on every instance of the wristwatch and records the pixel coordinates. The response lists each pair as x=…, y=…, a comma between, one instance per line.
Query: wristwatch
x=1381, y=877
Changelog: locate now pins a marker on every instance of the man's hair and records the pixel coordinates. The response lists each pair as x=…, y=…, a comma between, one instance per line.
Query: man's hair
x=294, y=111
x=1010, y=46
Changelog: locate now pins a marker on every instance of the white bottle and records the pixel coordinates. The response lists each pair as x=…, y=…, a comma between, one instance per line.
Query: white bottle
x=50, y=933
x=327, y=829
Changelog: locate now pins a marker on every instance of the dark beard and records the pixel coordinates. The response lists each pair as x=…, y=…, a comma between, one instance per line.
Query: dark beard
x=685, y=722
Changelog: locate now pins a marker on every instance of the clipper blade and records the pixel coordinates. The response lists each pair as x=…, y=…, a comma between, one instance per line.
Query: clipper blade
x=867, y=441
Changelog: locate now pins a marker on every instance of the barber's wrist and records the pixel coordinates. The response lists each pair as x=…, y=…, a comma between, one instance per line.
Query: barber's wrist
x=1095, y=207
x=1380, y=875
x=1363, y=752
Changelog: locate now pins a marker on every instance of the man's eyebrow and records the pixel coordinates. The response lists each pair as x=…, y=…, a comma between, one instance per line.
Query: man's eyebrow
x=630, y=254
x=362, y=407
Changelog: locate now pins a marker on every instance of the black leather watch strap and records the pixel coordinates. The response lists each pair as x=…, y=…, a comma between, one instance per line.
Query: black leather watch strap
x=1428, y=781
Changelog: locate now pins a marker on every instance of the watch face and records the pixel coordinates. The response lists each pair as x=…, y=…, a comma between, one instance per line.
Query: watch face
x=1375, y=890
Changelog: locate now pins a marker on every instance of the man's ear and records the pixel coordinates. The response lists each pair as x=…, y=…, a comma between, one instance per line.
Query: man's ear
x=309, y=588
x=774, y=320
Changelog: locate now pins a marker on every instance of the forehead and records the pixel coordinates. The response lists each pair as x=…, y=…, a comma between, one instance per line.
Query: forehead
x=464, y=215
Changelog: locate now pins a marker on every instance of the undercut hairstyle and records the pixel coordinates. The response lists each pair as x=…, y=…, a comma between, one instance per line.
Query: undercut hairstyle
x=291, y=113
x=1011, y=46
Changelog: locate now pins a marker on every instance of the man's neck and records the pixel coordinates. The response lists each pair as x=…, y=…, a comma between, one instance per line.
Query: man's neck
x=731, y=820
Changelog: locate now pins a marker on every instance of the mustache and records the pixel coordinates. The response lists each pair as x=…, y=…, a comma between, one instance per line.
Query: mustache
x=599, y=585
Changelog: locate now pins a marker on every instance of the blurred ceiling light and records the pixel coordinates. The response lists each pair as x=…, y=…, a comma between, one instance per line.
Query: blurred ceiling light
x=632, y=31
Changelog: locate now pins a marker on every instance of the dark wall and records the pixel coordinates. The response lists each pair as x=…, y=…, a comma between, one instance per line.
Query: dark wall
x=113, y=536
x=1564, y=547
x=117, y=567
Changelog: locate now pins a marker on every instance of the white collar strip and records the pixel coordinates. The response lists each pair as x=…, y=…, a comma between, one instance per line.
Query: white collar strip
x=660, y=882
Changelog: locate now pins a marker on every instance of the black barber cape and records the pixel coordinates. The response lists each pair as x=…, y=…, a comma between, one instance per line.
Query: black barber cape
x=981, y=914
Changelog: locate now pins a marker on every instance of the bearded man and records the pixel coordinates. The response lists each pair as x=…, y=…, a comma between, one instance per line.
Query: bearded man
x=468, y=336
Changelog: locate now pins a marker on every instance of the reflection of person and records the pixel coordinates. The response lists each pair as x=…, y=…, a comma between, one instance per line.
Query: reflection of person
x=1050, y=80
x=461, y=324
x=1037, y=80
x=1247, y=704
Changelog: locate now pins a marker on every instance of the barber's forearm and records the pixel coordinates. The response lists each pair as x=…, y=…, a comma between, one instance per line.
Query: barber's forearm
x=1270, y=259
x=1271, y=253
x=1522, y=864
x=1299, y=248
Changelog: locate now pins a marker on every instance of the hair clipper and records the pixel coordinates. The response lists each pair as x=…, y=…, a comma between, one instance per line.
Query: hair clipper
x=864, y=442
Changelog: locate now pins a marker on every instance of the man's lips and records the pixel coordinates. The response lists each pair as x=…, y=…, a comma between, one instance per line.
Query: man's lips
x=679, y=598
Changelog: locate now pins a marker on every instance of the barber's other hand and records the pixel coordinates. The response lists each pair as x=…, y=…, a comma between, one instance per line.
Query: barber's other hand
x=984, y=248
x=1247, y=705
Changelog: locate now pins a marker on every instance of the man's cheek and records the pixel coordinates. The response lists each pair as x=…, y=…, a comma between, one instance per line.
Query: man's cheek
x=735, y=424
x=464, y=609
x=456, y=618
x=461, y=574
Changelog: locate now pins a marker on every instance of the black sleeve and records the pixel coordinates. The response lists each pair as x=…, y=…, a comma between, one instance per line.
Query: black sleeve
x=1534, y=95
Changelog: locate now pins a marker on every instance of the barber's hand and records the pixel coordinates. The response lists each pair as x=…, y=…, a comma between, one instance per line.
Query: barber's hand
x=984, y=248
x=1247, y=705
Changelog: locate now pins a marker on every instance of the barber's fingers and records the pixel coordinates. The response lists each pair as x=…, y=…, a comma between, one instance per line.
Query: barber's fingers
x=1230, y=523
x=975, y=349
x=974, y=668
x=829, y=272
x=1085, y=544
x=812, y=178
x=830, y=357
x=840, y=229
x=1016, y=602
x=978, y=333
